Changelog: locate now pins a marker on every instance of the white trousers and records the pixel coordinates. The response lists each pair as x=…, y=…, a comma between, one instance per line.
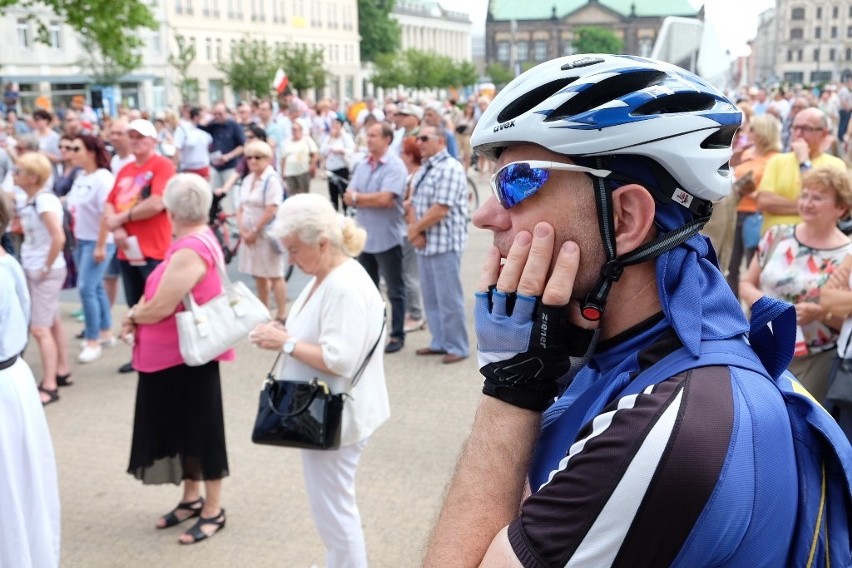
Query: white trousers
x=330, y=483
x=29, y=493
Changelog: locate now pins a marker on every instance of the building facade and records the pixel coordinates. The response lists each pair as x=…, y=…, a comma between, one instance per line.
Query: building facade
x=764, y=52
x=814, y=41
x=521, y=34
x=426, y=26
x=214, y=27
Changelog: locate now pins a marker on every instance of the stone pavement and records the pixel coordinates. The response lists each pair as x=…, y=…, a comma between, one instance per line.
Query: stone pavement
x=108, y=517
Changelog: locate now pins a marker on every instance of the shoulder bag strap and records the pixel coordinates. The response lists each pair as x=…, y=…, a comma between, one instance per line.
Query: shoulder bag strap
x=357, y=376
x=188, y=301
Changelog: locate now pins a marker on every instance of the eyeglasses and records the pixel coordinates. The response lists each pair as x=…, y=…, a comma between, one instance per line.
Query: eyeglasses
x=75, y=148
x=257, y=157
x=426, y=137
x=516, y=181
x=803, y=128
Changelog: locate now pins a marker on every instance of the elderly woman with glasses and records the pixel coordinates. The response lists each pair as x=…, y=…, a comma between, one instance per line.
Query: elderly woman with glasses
x=44, y=266
x=260, y=194
x=95, y=246
x=179, y=428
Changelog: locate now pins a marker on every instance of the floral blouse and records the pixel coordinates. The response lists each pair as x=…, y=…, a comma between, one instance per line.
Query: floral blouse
x=795, y=272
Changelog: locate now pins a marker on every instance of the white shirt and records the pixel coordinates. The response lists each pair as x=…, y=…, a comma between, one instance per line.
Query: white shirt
x=86, y=202
x=331, y=147
x=344, y=316
x=14, y=308
x=298, y=156
x=118, y=162
x=194, y=146
x=37, y=239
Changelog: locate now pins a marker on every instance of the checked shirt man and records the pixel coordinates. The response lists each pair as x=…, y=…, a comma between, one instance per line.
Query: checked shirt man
x=437, y=227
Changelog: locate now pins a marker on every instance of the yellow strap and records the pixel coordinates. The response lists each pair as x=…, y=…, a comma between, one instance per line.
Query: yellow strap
x=818, y=523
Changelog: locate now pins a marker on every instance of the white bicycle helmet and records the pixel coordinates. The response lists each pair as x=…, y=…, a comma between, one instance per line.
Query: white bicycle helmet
x=612, y=112
x=598, y=105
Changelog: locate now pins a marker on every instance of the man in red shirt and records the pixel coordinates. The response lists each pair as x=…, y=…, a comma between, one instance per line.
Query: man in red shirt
x=135, y=212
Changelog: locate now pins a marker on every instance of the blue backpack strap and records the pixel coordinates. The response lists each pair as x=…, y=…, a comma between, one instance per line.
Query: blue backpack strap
x=774, y=345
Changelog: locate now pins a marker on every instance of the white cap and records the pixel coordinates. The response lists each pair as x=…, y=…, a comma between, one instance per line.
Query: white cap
x=412, y=110
x=143, y=127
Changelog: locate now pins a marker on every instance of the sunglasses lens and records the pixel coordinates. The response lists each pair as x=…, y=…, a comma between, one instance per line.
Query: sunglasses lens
x=516, y=182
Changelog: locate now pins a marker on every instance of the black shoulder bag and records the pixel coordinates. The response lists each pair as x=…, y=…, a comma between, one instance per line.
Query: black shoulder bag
x=299, y=414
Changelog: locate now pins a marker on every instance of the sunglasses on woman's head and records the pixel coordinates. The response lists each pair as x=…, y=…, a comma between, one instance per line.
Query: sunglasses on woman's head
x=516, y=181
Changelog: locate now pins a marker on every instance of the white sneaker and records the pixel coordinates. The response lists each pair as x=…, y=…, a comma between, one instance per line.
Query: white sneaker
x=89, y=354
x=414, y=324
x=109, y=342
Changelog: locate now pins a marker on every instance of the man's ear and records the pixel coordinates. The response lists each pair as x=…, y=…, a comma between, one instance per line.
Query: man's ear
x=633, y=209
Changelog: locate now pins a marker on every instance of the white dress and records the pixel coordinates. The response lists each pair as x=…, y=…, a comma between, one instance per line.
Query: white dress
x=29, y=494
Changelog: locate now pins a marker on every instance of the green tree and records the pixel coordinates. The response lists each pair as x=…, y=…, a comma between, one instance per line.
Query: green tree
x=499, y=74
x=465, y=74
x=596, y=40
x=423, y=70
x=305, y=67
x=112, y=27
x=182, y=61
x=379, y=32
x=100, y=67
x=388, y=71
x=250, y=68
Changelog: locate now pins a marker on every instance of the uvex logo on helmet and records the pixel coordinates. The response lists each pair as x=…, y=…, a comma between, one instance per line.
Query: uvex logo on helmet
x=504, y=126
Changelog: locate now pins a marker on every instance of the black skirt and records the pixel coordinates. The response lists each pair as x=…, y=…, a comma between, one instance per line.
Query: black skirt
x=179, y=428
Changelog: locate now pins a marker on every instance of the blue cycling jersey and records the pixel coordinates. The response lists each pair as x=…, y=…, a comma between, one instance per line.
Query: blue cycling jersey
x=698, y=468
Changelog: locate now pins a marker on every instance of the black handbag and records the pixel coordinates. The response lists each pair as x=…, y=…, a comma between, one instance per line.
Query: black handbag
x=300, y=414
x=840, y=380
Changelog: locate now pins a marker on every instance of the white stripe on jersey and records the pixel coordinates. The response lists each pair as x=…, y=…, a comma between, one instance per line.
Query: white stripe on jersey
x=605, y=537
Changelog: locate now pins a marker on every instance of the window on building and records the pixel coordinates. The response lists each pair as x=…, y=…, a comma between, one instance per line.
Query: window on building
x=189, y=9
x=849, y=31
x=502, y=51
x=540, y=50
x=794, y=77
x=218, y=49
x=215, y=8
x=819, y=13
x=178, y=7
x=800, y=55
x=835, y=11
x=849, y=54
x=523, y=51
x=23, y=29
x=215, y=90
x=332, y=15
x=833, y=32
x=831, y=54
x=232, y=45
x=820, y=76
x=789, y=55
x=205, y=10
x=797, y=33
x=816, y=54
x=54, y=32
x=798, y=14
x=817, y=32
x=208, y=45
x=155, y=42
x=646, y=45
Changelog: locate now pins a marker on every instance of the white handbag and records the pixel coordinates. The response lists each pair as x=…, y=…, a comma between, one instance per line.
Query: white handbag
x=207, y=331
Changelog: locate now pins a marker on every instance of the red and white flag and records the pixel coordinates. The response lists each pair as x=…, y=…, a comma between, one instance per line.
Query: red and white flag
x=280, y=82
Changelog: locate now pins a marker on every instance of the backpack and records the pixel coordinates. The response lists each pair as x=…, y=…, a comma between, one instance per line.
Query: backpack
x=821, y=536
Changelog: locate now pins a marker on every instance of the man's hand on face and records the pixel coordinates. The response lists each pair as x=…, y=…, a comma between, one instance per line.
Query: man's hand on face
x=801, y=149
x=527, y=327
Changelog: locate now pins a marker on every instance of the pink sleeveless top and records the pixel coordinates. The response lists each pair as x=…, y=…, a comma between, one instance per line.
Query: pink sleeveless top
x=157, y=344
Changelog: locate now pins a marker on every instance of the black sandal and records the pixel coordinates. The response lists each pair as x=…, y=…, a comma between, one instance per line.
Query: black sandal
x=64, y=380
x=171, y=519
x=198, y=535
x=53, y=395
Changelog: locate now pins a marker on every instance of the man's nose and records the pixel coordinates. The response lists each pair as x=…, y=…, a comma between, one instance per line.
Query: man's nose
x=491, y=216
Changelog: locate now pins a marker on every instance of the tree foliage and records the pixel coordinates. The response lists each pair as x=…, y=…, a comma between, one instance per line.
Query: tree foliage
x=305, y=67
x=111, y=27
x=596, y=40
x=421, y=70
x=379, y=32
x=100, y=67
x=250, y=68
x=182, y=61
x=499, y=74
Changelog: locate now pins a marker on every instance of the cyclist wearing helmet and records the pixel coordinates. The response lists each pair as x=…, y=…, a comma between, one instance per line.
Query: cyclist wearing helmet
x=669, y=442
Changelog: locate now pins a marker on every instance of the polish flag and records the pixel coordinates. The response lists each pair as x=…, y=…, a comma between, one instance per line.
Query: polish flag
x=280, y=82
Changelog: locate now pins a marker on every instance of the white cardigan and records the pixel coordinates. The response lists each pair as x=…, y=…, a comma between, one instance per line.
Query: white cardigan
x=344, y=316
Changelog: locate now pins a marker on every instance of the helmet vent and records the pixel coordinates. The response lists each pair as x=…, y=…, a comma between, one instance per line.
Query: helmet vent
x=606, y=91
x=721, y=139
x=533, y=98
x=677, y=102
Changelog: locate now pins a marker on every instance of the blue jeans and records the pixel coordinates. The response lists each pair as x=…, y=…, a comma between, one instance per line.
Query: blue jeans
x=389, y=264
x=443, y=299
x=90, y=281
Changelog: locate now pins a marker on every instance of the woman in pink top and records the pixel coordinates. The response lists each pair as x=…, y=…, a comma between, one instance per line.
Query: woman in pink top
x=179, y=430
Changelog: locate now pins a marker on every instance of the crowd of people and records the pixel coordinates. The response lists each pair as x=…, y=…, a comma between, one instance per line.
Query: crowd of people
x=137, y=197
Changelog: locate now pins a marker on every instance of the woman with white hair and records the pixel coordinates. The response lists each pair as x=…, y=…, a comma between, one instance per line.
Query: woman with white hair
x=179, y=430
x=333, y=324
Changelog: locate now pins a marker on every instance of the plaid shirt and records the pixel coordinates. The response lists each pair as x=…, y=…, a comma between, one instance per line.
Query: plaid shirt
x=441, y=179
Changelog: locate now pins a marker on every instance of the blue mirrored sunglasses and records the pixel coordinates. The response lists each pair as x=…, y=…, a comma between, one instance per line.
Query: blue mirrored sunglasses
x=516, y=181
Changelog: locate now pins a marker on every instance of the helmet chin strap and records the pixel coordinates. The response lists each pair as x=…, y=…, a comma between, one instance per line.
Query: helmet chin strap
x=595, y=301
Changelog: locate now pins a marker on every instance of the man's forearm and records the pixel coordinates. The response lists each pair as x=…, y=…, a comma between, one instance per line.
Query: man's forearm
x=147, y=208
x=432, y=216
x=775, y=204
x=486, y=490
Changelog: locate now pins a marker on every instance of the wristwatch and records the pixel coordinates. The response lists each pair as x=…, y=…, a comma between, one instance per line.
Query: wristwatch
x=806, y=165
x=290, y=345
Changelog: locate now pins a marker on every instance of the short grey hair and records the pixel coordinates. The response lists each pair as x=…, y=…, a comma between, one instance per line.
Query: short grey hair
x=188, y=197
x=312, y=218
